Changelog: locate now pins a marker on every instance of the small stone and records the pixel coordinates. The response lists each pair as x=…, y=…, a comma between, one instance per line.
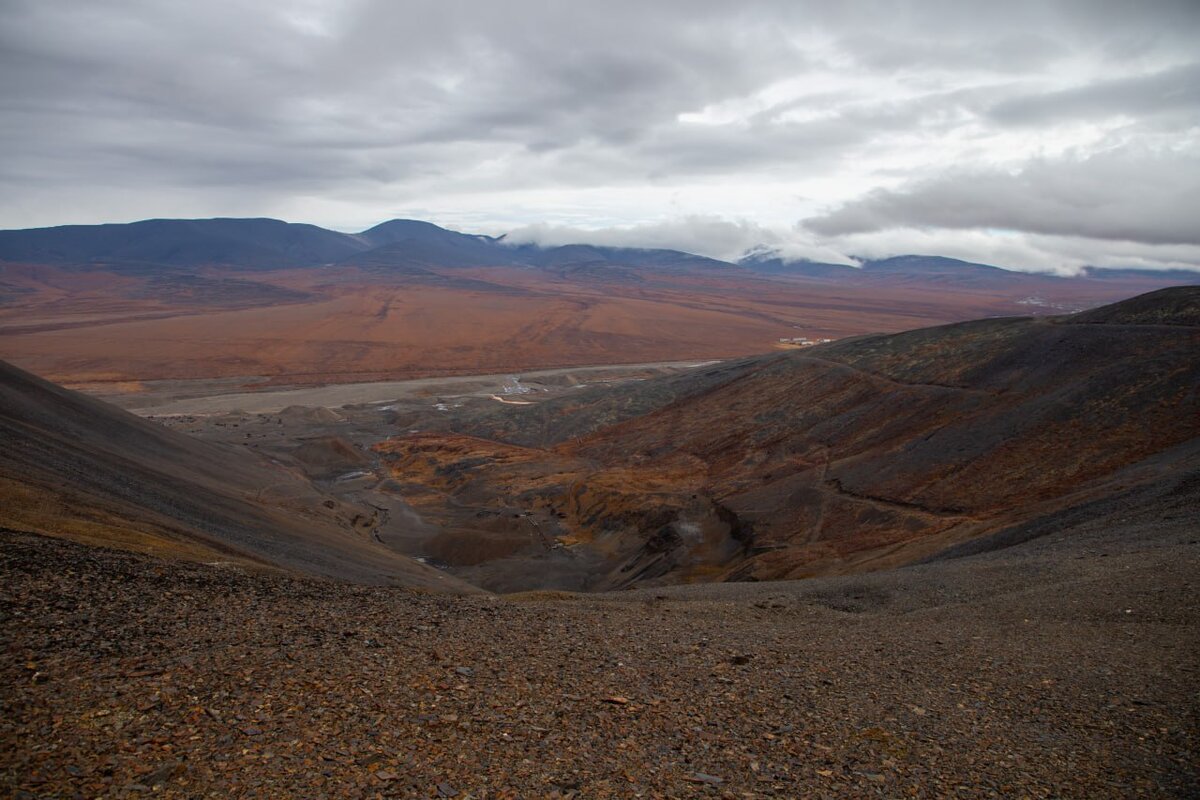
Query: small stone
x=701, y=777
x=446, y=790
x=161, y=775
x=466, y=672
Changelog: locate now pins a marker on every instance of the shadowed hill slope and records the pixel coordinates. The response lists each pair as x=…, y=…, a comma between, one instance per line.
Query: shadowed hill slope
x=870, y=452
x=859, y=455
x=1178, y=305
x=75, y=467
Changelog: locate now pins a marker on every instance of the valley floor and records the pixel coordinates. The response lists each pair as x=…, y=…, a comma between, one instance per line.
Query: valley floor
x=1063, y=667
x=225, y=396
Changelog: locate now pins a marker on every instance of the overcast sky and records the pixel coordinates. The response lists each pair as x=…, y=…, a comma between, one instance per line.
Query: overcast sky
x=1036, y=135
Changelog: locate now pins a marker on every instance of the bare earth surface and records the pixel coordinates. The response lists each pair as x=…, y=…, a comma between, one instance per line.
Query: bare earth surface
x=346, y=325
x=1063, y=667
x=853, y=456
x=166, y=398
x=1054, y=655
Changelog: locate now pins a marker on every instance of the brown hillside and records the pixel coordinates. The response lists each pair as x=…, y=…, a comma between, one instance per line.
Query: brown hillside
x=858, y=455
x=74, y=467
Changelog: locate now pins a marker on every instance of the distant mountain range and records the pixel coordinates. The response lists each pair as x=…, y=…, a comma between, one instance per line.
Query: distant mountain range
x=938, y=269
x=407, y=245
x=258, y=244
x=900, y=270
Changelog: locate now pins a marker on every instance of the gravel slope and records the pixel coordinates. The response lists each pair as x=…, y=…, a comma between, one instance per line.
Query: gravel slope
x=1063, y=667
x=73, y=466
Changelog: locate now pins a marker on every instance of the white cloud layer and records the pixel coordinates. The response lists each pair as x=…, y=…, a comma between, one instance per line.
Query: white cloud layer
x=730, y=239
x=711, y=236
x=1048, y=133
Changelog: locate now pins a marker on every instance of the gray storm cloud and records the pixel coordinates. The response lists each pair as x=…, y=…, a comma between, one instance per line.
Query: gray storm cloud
x=1170, y=92
x=663, y=120
x=1150, y=198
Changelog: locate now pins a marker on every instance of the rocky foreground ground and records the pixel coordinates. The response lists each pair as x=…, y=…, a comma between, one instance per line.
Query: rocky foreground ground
x=1063, y=668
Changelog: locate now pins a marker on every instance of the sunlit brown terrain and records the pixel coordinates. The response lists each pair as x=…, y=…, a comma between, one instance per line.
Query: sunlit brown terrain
x=329, y=325
x=847, y=457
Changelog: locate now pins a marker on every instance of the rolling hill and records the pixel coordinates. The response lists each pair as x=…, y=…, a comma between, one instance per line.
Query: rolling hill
x=858, y=455
x=74, y=467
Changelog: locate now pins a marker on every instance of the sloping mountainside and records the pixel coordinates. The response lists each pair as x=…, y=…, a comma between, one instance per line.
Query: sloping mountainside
x=862, y=454
x=74, y=467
